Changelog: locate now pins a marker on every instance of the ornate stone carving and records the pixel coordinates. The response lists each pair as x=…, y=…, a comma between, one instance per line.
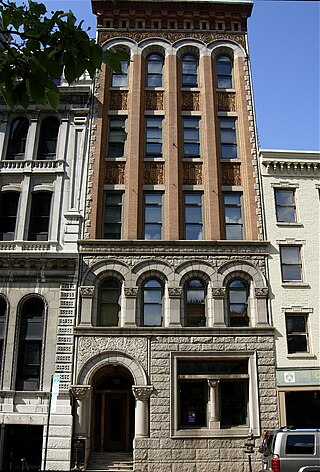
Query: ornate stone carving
x=118, y=100
x=115, y=172
x=231, y=174
x=226, y=101
x=218, y=292
x=154, y=173
x=172, y=37
x=154, y=100
x=213, y=383
x=261, y=292
x=86, y=292
x=130, y=292
x=175, y=292
x=190, y=101
x=90, y=347
x=80, y=392
x=142, y=392
x=192, y=173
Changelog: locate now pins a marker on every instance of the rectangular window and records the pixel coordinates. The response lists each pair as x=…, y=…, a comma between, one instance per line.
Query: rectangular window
x=113, y=215
x=291, y=267
x=191, y=136
x=228, y=138
x=153, y=215
x=285, y=205
x=297, y=333
x=300, y=444
x=193, y=215
x=154, y=136
x=40, y=216
x=233, y=215
x=8, y=215
x=117, y=136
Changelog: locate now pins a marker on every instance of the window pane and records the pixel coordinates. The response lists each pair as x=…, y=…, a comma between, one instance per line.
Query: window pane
x=290, y=255
x=153, y=214
x=112, y=215
x=234, y=233
x=193, y=232
x=228, y=136
x=152, y=315
x=292, y=272
x=152, y=231
x=296, y=324
x=153, y=198
x=234, y=408
x=228, y=151
x=300, y=444
x=224, y=82
x=285, y=197
x=193, y=403
x=193, y=198
x=193, y=214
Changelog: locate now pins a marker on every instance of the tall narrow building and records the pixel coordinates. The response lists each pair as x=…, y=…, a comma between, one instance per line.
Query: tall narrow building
x=174, y=352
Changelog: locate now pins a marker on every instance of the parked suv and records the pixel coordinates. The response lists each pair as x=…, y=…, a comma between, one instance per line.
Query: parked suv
x=289, y=450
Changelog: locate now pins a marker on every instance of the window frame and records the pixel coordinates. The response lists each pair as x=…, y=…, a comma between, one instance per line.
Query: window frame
x=145, y=304
x=280, y=206
x=16, y=147
x=118, y=146
x=151, y=126
x=155, y=205
x=234, y=205
x=154, y=75
x=226, y=144
x=221, y=75
x=115, y=77
x=48, y=136
x=7, y=207
x=40, y=224
x=188, y=224
x=100, y=303
x=284, y=265
x=292, y=333
x=203, y=317
x=184, y=61
x=244, y=320
x=190, y=142
x=110, y=193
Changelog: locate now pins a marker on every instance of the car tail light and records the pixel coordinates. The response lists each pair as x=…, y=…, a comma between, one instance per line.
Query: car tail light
x=275, y=464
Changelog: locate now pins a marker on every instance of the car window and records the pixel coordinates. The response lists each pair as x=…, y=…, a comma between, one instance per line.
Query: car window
x=300, y=444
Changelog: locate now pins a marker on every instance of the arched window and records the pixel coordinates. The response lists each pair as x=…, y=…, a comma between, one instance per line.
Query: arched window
x=30, y=345
x=3, y=312
x=224, y=72
x=121, y=80
x=195, y=303
x=109, y=303
x=238, y=303
x=152, y=303
x=17, y=139
x=189, y=71
x=48, y=138
x=154, y=70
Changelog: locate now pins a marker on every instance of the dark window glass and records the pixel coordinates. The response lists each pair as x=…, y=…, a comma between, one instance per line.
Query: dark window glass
x=195, y=303
x=40, y=216
x=154, y=136
x=109, y=306
x=238, y=303
x=3, y=312
x=291, y=263
x=117, y=136
x=152, y=303
x=17, y=139
x=193, y=215
x=234, y=403
x=297, y=335
x=121, y=80
x=213, y=367
x=30, y=345
x=300, y=444
x=8, y=215
x=233, y=216
x=193, y=403
x=48, y=138
x=191, y=136
x=152, y=215
x=285, y=205
x=189, y=71
x=154, y=70
x=112, y=215
x=228, y=138
x=224, y=72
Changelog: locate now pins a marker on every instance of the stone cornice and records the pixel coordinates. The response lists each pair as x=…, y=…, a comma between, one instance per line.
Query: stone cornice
x=305, y=163
x=146, y=332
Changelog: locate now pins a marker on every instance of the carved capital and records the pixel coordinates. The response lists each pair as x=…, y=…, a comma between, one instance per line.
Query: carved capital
x=142, y=392
x=130, y=292
x=80, y=392
x=175, y=292
x=261, y=292
x=86, y=292
x=213, y=383
x=218, y=292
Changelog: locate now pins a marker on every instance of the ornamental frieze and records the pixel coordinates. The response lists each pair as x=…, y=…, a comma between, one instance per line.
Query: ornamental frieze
x=226, y=101
x=219, y=292
x=118, y=100
x=154, y=100
x=231, y=174
x=192, y=173
x=115, y=172
x=172, y=37
x=190, y=101
x=91, y=346
x=153, y=173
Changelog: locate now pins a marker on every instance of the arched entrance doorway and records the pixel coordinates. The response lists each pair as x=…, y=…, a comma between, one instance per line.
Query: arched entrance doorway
x=112, y=409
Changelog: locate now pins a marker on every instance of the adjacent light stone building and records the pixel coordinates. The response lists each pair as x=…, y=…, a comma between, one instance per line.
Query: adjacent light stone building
x=43, y=164
x=174, y=349
x=290, y=181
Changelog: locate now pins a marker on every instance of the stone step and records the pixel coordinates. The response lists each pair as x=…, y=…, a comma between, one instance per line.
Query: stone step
x=110, y=462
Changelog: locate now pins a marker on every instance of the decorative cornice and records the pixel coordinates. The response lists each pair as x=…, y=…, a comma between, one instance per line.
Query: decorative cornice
x=297, y=166
x=142, y=392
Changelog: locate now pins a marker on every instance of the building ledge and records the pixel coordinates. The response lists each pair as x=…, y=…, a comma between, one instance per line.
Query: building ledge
x=142, y=331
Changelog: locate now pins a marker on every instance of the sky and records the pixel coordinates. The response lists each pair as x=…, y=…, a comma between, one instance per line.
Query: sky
x=284, y=48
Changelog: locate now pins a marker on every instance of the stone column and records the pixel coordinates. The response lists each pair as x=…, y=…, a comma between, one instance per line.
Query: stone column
x=214, y=420
x=130, y=294
x=174, y=306
x=86, y=294
x=142, y=394
x=218, y=297
x=81, y=394
x=261, y=314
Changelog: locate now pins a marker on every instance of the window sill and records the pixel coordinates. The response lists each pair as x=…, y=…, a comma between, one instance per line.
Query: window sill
x=209, y=433
x=302, y=355
x=227, y=90
x=190, y=89
x=236, y=160
x=295, y=284
x=287, y=223
x=154, y=89
x=123, y=88
x=120, y=159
